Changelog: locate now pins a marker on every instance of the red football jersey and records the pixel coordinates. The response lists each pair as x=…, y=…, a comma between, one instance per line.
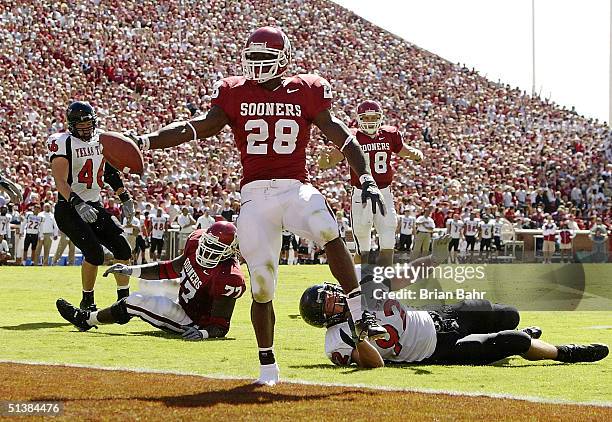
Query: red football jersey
x=272, y=128
x=379, y=149
x=200, y=286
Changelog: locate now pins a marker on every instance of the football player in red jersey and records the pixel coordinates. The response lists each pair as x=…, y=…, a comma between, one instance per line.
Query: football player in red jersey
x=271, y=117
x=379, y=143
x=211, y=281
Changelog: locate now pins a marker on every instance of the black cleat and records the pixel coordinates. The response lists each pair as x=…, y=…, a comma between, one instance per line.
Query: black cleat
x=368, y=327
x=88, y=306
x=74, y=315
x=572, y=353
x=533, y=332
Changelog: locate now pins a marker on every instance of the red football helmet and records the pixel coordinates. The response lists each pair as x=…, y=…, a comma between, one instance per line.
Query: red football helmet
x=217, y=244
x=373, y=111
x=271, y=41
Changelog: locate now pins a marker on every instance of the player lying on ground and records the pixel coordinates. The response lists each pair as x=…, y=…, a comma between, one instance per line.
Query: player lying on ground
x=471, y=332
x=211, y=281
x=12, y=189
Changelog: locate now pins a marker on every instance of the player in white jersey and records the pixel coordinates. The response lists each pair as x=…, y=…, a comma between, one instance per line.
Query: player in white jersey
x=497, y=233
x=406, y=229
x=5, y=223
x=474, y=332
x=80, y=172
x=159, y=226
x=486, y=228
x=31, y=226
x=470, y=232
x=454, y=228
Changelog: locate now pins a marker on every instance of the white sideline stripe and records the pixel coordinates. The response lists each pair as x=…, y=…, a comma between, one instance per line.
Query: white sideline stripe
x=531, y=399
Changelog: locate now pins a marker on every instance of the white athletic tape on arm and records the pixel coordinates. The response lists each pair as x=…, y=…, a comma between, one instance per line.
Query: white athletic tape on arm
x=204, y=334
x=146, y=142
x=347, y=141
x=136, y=271
x=195, y=136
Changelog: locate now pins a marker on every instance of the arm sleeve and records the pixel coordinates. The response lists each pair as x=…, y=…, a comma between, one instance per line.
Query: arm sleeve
x=221, y=97
x=112, y=177
x=398, y=142
x=338, y=346
x=56, y=146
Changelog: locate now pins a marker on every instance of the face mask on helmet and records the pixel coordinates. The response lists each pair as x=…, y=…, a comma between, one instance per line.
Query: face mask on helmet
x=211, y=250
x=370, y=121
x=261, y=63
x=323, y=305
x=82, y=120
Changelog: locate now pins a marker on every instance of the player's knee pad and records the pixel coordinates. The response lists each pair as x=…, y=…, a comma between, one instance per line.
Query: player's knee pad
x=263, y=283
x=515, y=342
x=119, y=312
x=506, y=317
x=93, y=254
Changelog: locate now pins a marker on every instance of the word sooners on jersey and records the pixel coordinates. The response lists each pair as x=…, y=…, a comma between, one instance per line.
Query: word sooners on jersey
x=85, y=163
x=272, y=128
x=200, y=287
x=379, y=148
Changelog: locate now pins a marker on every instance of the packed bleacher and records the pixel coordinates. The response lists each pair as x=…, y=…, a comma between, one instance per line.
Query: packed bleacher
x=144, y=64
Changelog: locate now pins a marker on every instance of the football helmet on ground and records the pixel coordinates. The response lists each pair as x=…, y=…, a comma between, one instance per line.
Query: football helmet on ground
x=323, y=305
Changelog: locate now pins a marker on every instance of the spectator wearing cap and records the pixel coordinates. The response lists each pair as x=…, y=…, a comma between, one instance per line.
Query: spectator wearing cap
x=424, y=227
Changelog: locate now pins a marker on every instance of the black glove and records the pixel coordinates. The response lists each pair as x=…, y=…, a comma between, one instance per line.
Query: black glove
x=370, y=191
x=138, y=140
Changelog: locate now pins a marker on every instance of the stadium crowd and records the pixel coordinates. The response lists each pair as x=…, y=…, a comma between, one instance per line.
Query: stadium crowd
x=143, y=64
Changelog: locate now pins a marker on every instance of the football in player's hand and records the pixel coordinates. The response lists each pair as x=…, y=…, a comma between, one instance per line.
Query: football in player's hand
x=122, y=153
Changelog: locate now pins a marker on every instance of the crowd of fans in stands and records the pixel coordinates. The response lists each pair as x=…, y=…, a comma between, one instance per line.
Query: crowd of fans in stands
x=143, y=64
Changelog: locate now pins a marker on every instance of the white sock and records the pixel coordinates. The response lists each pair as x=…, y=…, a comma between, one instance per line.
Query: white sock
x=93, y=318
x=354, y=303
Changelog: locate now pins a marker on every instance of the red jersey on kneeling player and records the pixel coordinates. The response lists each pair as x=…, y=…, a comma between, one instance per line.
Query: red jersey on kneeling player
x=201, y=285
x=272, y=128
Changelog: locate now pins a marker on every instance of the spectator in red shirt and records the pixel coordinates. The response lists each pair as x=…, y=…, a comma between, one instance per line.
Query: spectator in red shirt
x=438, y=218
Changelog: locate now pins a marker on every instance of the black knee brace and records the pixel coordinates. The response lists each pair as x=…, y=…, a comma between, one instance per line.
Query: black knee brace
x=119, y=312
x=514, y=342
x=506, y=317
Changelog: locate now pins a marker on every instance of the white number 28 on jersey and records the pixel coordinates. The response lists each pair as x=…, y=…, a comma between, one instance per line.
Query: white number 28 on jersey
x=285, y=136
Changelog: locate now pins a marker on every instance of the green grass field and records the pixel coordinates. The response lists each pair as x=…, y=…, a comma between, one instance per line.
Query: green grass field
x=32, y=330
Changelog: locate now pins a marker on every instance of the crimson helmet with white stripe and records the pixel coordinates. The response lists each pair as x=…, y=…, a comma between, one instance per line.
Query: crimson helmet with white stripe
x=274, y=44
x=369, y=117
x=217, y=244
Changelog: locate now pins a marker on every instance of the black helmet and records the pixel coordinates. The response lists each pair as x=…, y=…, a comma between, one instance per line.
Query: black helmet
x=312, y=305
x=78, y=112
